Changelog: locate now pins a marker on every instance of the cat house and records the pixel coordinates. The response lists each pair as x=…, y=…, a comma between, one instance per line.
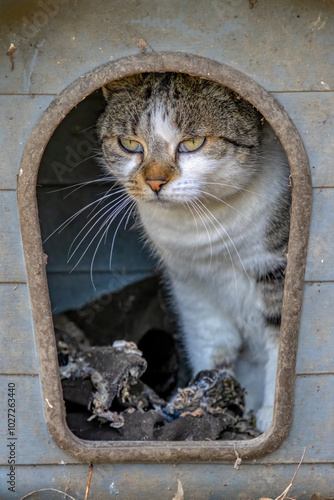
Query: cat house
x=60, y=55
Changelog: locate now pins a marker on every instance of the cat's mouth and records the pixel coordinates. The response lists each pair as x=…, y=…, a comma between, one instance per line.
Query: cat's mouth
x=160, y=197
x=157, y=198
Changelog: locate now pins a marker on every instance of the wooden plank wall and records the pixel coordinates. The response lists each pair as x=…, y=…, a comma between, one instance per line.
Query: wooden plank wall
x=285, y=46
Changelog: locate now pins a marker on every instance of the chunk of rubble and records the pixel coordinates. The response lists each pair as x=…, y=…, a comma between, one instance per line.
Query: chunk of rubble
x=107, y=400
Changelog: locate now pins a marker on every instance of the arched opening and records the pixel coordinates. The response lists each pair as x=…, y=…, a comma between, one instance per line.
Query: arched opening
x=275, y=115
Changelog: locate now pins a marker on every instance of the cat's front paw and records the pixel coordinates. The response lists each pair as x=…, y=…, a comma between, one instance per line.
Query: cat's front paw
x=264, y=417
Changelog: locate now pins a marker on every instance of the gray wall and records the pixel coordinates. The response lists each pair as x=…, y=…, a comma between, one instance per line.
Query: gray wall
x=285, y=46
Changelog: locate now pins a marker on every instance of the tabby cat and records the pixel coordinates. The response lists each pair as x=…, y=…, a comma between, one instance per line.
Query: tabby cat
x=210, y=183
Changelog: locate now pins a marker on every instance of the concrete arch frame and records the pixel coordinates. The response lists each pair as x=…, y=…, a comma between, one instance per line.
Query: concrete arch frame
x=274, y=113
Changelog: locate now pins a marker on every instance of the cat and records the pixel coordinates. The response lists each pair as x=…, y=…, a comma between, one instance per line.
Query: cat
x=210, y=182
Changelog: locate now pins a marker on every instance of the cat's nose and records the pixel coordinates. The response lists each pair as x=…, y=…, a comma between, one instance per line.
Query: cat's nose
x=156, y=184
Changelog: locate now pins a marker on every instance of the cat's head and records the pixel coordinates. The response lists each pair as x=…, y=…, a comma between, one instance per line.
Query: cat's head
x=173, y=137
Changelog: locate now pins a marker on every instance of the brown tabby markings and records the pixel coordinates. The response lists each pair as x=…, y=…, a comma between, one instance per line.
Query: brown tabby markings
x=217, y=217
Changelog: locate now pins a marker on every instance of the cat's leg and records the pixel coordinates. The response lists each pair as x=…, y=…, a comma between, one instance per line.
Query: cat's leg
x=265, y=414
x=211, y=343
x=271, y=289
x=211, y=339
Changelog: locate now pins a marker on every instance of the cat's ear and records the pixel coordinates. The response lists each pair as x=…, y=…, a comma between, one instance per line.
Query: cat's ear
x=268, y=135
x=107, y=91
x=123, y=84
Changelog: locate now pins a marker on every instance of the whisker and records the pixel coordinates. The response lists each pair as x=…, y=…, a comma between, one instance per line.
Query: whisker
x=116, y=231
x=64, y=224
x=225, y=203
x=85, y=159
x=105, y=240
x=197, y=236
x=82, y=184
x=272, y=160
x=85, y=184
x=235, y=248
x=226, y=246
x=131, y=212
x=196, y=208
x=88, y=128
x=236, y=187
x=109, y=220
x=104, y=235
x=120, y=200
x=109, y=193
x=99, y=211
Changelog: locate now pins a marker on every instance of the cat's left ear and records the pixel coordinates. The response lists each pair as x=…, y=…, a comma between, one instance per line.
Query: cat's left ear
x=125, y=83
x=106, y=91
x=268, y=135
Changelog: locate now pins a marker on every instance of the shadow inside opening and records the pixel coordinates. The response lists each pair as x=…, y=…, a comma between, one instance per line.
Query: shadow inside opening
x=96, y=301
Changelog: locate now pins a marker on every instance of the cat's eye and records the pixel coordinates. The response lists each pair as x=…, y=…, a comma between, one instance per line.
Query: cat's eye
x=192, y=144
x=131, y=146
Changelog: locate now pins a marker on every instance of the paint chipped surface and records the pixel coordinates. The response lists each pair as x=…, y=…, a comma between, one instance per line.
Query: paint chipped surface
x=266, y=33
x=325, y=85
x=319, y=24
x=113, y=490
x=28, y=74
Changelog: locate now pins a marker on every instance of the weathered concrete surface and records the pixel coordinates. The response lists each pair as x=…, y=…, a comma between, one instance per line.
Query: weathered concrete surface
x=284, y=45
